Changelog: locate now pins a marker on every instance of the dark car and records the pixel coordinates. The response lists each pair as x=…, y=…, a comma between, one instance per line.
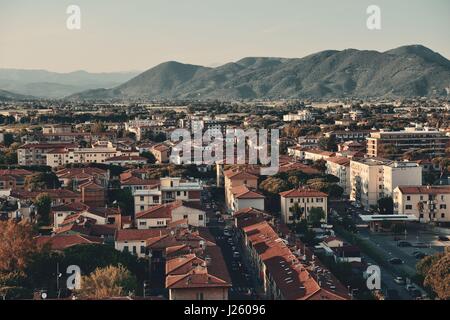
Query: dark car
x=404, y=244
x=420, y=255
x=415, y=293
x=395, y=261
x=443, y=238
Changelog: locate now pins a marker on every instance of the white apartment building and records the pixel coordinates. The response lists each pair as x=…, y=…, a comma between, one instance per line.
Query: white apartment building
x=372, y=179
x=427, y=203
x=340, y=168
x=307, y=199
x=59, y=157
x=302, y=115
x=169, y=190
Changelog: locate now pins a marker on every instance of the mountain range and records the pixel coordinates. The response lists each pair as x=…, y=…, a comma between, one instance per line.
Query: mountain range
x=407, y=71
x=46, y=84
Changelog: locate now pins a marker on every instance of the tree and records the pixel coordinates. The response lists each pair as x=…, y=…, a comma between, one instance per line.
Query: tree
x=8, y=139
x=297, y=212
x=438, y=277
x=320, y=165
x=43, y=204
x=316, y=215
x=111, y=281
x=328, y=144
x=17, y=245
x=42, y=180
x=386, y=205
x=150, y=157
x=98, y=127
x=274, y=185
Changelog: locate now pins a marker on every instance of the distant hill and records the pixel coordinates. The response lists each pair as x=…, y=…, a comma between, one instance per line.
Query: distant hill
x=407, y=71
x=45, y=84
x=8, y=96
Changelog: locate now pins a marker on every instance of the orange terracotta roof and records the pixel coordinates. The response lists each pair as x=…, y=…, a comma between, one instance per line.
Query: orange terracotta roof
x=294, y=193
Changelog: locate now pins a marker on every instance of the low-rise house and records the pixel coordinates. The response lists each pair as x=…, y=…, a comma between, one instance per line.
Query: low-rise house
x=243, y=197
x=306, y=199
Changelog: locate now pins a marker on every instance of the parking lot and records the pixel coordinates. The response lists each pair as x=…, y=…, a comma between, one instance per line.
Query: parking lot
x=403, y=250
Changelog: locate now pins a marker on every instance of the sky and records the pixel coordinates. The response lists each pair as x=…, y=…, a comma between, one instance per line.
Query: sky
x=135, y=35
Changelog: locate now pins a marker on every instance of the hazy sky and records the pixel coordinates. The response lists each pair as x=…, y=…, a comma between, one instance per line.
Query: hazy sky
x=119, y=35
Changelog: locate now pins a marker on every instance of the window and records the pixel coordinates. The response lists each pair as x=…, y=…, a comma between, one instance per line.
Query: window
x=155, y=198
x=292, y=200
x=443, y=206
x=142, y=249
x=125, y=248
x=141, y=198
x=408, y=207
x=408, y=198
x=185, y=216
x=178, y=193
x=134, y=249
x=142, y=223
x=200, y=296
x=200, y=217
x=160, y=222
x=60, y=214
x=142, y=208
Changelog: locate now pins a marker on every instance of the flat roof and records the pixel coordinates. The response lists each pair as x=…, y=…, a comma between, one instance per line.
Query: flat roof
x=388, y=217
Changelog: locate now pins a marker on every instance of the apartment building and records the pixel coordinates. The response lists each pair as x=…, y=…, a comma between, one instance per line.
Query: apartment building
x=36, y=153
x=62, y=156
x=13, y=179
x=340, y=168
x=284, y=274
x=372, y=178
x=426, y=203
x=416, y=138
x=244, y=197
x=349, y=135
x=236, y=178
x=301, y=115
x=306, y=199
x=314, y=155
x=163, y=214
x=169, y=190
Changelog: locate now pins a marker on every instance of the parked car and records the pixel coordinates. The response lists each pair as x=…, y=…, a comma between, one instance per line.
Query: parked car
x=420, y=255
x=443, y=238
x=404, y=244
x=420, y=245
x=395, y=261
x=415, y=293
x=399, y=280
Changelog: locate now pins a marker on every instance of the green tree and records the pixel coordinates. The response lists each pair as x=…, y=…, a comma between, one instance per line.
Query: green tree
x=316, y=215
x=107, y=282
x=386, y=205
x=150, y=157
x=42, y=180
x=43, y=204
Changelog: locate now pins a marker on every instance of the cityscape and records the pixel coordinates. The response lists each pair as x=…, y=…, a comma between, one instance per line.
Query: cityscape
x=319, y=177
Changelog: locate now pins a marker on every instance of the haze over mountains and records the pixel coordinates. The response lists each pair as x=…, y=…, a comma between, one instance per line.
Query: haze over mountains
x=45, y=84
x=402, y=72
